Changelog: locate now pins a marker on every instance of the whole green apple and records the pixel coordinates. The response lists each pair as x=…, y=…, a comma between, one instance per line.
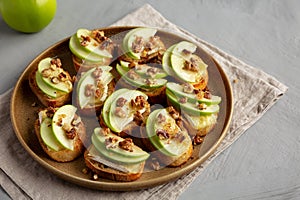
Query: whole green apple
x=28, y=16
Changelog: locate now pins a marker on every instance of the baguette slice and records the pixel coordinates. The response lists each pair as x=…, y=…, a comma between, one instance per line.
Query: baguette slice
x=64, y=155
x=45, y=99
x=110, y=173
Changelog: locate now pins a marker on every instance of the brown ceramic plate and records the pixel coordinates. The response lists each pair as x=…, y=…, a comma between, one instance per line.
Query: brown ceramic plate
x=24, y=113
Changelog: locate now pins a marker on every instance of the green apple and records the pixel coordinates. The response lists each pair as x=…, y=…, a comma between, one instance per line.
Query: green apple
x=50, y=91
x=136, y=151
x=28, y=16
x=95, y=155
x=177, y=89
x=64, y=114
x=201, y=122
x=93, y=45
x=48, y=136
x=140, y=82
x=118, y=123
x=107, y=105
x=81, y=53
x=166, y=61
x=64, y=86
x=191, y=108
x=178, y=59
x=169, y=147
x=112, y=155
x=88, y=79
x=130, y=37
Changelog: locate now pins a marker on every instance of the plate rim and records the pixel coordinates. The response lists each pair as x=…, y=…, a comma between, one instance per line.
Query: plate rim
x=123, y=186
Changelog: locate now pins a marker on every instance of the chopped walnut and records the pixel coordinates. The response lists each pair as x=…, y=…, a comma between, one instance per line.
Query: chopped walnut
x=55, y=80
x=56, y=62
x=138, y=118
x=138, y=44
x=202, y=106
x=97, y=72
x=50, y=112
x=100, y=90
x=174, y=114
x=120, y=113
x=188, y=88
x=139, y=102
x=197, y=140
x=126, y=144
x=186, y=52
x=132, y=64
x=62, y=76
x=207, y=95
x=162, y=134
x=89, y=90
x=71, y=134
x=180, y=137
x=183, y=100
x=152, y=71
x=85, y=40
x=191, y=65
x=46, y=73
x=161, y=118
x=98, y=35
x=104, y=131
x=121, y=101
x=132, y=74
x=149, y=81
x=111, y=142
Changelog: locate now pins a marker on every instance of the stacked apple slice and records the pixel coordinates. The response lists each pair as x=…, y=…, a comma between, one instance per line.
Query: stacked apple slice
x=180, y=62
x=118, y=115
x=52, y=79
x=52, y=130
x=84, y=45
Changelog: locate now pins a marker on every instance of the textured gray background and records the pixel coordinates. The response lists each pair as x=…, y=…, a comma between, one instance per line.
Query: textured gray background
x=264, y=162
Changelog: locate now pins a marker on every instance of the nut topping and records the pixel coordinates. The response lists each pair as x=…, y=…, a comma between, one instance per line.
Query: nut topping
x=202, y=106
x=111, y=142
x=56, y=62
x=55, y=80
x=132, y=74
x=85, y=40
x=126, y=144
x=188, y=88
x=121, y=102
x=97, y=73
x=120, y=113
x=89, y=90
x=162, y=134
x=161, y=118
x=138, y=44
x=139, y=102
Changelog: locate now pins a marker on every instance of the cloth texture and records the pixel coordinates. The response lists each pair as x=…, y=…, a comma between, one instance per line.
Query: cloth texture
x=24, y=178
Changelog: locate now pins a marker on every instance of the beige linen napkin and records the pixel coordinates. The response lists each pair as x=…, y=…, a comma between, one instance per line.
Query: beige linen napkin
x=23, y=178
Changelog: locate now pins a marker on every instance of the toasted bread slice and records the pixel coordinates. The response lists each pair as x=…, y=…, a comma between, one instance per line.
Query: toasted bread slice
x=110, y=173
x=45, y=99
x=64, y=155
x=171, y=161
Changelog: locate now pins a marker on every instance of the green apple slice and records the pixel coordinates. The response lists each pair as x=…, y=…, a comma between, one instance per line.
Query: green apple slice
x=191, y=108
x=130, y=37
x=178, y=59
x=116, y=156
x=65, y=86
x=64, y=114
x=136, y=151
x=151, y=133
x=140, y=82
x=94, y=154
x=166, y=61
x=177, y=89
x=107, y=105
x=93, y=45
x=48, y=136
x=106, y=77
x=172, y=146
x=50, y=91
x=118, y=123
x=81, y=53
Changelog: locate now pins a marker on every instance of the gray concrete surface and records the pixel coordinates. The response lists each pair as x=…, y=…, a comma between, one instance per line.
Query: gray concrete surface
x=264, y=162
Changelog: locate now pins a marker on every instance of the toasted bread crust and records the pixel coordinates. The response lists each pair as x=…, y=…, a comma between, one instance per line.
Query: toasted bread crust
x=109, y=173
x=64, y=155
x=45, y=99
x=175, y=161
